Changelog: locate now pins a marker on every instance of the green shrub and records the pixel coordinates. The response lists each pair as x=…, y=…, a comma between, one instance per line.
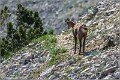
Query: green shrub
x=29, y=26
x=50, y=31
x=53, y=54
x=9, y=29
x=49, y=43
x=52, y=61
x=4, y=15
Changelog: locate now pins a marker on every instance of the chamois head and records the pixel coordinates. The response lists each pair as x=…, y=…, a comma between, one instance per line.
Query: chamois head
x=69, y=23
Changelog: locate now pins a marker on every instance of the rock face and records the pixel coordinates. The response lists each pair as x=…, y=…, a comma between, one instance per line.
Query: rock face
x=101, y=60
x=53, y=12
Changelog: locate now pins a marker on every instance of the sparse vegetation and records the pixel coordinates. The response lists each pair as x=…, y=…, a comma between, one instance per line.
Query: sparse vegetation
x=15, y=75
x=50, y=31
x=29, y=26
x=68, y=70
x=53, y=54
x=4, y=14
x=49, y=42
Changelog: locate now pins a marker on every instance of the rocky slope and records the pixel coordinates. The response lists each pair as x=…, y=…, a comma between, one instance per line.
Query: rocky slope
x=52, y=12
x=100, y=61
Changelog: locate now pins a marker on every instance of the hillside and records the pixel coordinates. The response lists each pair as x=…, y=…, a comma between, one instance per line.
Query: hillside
x=51, y=57
x=52, y=12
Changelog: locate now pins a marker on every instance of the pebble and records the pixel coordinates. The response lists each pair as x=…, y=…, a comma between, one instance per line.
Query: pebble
x=47, y=71
x=61, y=64
x=71, y=61
x=117, y=75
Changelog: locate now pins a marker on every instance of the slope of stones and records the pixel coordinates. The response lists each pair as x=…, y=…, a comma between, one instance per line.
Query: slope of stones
x=101, y=60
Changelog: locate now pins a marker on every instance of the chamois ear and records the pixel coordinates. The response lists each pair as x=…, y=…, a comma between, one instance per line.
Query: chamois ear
x=66, y=20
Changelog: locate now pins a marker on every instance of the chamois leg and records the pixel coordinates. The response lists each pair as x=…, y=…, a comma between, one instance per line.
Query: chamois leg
x=80, y=42
x=75, y=43
x=84, y=44
x=75, y=38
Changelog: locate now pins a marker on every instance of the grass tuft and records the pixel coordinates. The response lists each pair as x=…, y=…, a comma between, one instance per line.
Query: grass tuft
x=53, y=54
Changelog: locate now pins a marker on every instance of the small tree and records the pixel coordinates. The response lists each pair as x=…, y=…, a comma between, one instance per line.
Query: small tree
x=16, y=38
x=38, y=22
x=29, y=26
x=9, y=29
x=30, y=34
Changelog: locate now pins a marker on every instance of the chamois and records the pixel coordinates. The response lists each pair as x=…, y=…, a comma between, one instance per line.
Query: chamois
x=79, y=32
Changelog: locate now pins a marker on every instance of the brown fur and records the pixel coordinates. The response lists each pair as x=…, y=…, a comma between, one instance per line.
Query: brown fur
x=79, y=32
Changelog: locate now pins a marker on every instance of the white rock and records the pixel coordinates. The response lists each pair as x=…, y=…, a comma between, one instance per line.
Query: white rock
x=104, y=56
x=85, y=70
x=108, y=77
x=117, y=75
x=61, y=64
x=47, y=71
x=48, y=57
x=97, y=65
x=89, y=23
